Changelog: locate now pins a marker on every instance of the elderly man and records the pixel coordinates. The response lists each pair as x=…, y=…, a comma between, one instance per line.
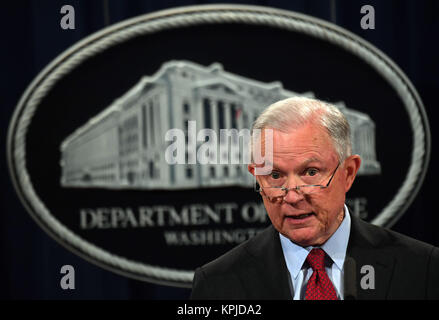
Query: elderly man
x=315, y=249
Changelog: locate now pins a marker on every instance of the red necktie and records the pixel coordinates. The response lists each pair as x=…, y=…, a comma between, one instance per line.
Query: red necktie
x=319, y=286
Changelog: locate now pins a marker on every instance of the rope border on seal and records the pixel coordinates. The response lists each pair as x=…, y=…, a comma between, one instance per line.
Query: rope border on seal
x=190, y=16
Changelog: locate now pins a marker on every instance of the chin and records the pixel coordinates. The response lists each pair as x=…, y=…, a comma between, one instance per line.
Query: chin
x=303, y=237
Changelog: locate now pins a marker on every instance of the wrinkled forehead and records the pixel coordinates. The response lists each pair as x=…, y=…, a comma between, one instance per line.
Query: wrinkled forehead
x=304, y=144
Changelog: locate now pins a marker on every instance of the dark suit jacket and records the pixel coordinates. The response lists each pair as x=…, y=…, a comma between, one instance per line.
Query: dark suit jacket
x=405, y=268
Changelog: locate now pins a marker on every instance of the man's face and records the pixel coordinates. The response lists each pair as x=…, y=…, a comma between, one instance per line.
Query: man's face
x=298, y=155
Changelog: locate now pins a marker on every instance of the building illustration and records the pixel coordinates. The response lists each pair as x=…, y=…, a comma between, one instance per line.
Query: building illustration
x=124, y=146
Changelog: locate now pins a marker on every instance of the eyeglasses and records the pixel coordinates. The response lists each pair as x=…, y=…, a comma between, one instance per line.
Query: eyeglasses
x=275, y=187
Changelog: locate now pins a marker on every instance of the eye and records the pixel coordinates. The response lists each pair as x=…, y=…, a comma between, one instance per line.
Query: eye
x=311, y=171
x=275, y=175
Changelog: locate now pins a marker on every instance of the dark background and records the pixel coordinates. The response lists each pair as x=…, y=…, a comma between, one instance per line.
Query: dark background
x=30, y=261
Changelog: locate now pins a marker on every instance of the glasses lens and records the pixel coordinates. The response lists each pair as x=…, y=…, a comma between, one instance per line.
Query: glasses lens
x=270, y=191
x=274, y=192
x=310, y=189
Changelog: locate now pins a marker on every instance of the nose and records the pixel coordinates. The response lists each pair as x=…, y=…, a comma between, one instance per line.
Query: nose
x=293, y=195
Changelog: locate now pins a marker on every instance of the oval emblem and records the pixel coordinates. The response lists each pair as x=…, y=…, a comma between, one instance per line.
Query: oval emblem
x=107, y=147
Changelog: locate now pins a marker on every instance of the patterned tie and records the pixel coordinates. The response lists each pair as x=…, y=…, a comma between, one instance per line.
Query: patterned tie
x=319, y=286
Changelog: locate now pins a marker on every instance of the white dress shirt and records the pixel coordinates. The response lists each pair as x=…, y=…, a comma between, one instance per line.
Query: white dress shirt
x=335, y=247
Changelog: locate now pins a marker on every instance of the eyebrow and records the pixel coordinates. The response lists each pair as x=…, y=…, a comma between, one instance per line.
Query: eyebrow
x=303, y=164
x=313, y=159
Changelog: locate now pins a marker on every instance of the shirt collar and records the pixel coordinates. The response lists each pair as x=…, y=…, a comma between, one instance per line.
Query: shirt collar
x=335, y=247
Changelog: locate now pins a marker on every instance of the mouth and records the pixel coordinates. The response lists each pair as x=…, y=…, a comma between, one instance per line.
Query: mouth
x=300, y=217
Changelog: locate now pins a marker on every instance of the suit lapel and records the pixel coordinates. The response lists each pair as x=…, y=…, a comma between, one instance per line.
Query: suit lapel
x=267, y=271
x=374, y=266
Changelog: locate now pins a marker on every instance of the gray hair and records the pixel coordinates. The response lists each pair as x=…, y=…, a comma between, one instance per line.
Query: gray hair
x=295, y=112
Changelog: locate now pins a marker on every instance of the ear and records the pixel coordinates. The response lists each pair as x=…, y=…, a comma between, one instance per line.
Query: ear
x=351, y=166
x=251, y=169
